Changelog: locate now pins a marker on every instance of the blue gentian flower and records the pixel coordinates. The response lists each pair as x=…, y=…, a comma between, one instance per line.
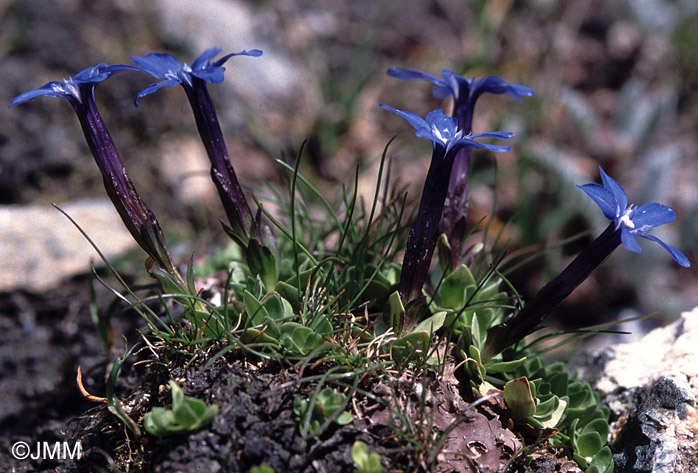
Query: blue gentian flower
x=631, y=220
x=167, y=67
x=627, y=222
x=444, y=131
x=193, y=79
x=138, y=218
x=73, y=88
x=465, y=92
x=447, y=139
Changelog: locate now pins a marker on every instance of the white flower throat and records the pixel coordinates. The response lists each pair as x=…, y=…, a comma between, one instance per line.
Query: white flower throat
x=445, y=134
x=625, y=219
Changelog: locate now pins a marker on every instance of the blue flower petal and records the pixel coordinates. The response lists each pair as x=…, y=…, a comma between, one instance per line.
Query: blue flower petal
x=204, y=60
x=497, y=85
x=442, y=130
x=676, y=254
x=153, y=87
x=649, y=216
x=616, y=189
x=214, y=75
x=251, y=52
x=522, y=90
x=452, y=86
x=92, y=74
x=52, y=89
x=452, y=83
x=412, y=74
x=70, y=88
x=114, y=68
x=603, y=198
x=442, y=93
x=468, y=143
x=166, y=66
x=505, y=135
x=628, y=240
x=418, y=123
x=159, y=65
x=631, y=221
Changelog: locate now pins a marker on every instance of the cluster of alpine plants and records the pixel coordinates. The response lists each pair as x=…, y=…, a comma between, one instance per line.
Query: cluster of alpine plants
x=312, y=288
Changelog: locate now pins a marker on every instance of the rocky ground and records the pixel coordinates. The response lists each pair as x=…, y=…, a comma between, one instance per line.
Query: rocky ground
x=47, y=339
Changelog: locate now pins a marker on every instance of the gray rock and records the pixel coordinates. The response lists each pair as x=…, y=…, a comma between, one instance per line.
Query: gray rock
x=651, y=387
x=234, y=26
x=40, y=246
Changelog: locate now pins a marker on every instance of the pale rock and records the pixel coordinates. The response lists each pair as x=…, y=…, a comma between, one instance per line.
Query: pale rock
x=233, y=26
x=187, y=170
x=651, y=387
x=40, y=246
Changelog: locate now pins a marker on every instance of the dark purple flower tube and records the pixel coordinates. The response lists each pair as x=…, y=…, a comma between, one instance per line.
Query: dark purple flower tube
x=138, y=218
x=627, y=222
x=465, y=92
x=528, y=319
x=447, y=140
x=193, y=79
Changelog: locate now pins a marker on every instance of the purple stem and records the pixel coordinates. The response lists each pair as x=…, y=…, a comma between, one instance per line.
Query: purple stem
x=527, y=320
x=456, y=207
x=138, y=218
x=425, y=231
x=222, y=172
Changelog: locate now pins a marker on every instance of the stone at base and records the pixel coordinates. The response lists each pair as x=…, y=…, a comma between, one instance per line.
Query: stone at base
x=651, y=387
x=40, y=246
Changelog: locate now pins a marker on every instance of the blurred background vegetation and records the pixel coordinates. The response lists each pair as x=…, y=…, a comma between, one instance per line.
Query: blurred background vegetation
x=616, y=85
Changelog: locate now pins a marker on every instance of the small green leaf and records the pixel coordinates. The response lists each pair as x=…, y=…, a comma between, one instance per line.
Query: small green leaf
x=187, y=414
x=366, y=462
x=394, y=312
x=431, y=324
x=158, y=421
x=452, y=293
x=268, y=333
x=588, y=444
x=327, y=403
x=274, y=306
x=602, y=462
x=255, y=311
x=289, y=294
x=262, y=262
x=330, y=401
x=177, y=395
x=473, y=363
x=344, y=418
x=554, y=416
x=503, y=366
x=412, y=345
x=321, y=325
x=580, y=395
x=558, y=383
x=545, y=408
x=475, y=333
x=298, y=338
x=443, y=250
x=600, y=426
x=518, y=396
x=474, y=353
